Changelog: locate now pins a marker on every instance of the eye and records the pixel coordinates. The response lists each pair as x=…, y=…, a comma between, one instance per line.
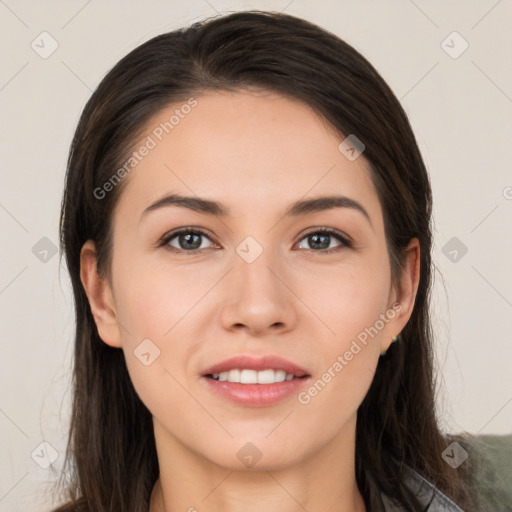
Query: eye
x=187, y=240
x=320, y=240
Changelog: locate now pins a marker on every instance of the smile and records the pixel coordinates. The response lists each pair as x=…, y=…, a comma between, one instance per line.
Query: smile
x=246, y=376
x=254, y=380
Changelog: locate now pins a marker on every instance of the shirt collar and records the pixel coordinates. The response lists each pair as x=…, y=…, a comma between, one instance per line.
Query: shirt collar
x=427, y=493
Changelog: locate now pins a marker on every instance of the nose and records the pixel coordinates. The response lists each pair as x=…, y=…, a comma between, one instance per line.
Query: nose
x=260, y=300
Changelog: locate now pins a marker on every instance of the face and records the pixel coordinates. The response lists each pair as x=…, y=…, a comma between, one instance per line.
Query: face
x=191, y=289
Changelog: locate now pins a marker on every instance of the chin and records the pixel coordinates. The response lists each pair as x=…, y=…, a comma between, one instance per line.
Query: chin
x=256, y=455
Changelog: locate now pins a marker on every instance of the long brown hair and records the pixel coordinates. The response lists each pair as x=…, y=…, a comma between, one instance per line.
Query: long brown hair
x=111, y=456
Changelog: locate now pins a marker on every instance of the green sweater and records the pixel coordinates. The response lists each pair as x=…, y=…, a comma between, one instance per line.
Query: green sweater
x=490, y=464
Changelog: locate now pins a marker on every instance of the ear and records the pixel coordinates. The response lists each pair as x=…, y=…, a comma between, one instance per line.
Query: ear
x=100, y=296
x=402, y=299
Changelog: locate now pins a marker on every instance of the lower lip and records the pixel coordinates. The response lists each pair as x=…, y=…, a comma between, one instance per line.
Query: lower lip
x=256, y=395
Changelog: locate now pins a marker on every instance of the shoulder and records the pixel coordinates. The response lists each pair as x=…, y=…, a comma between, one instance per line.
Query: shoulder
x=489, y=459
x=428, y=495
x=426, y=492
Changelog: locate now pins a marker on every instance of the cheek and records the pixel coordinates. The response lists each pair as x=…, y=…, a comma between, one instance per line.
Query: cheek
x=157, y=300
x=348, y=357
x=350, y=302
x=159, y=310
x=350, y=305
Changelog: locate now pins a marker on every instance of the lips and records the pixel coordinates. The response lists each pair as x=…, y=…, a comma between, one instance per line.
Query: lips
x=255, y=381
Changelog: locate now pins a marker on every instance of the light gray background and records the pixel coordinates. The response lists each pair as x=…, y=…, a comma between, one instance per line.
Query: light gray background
x=460, y=109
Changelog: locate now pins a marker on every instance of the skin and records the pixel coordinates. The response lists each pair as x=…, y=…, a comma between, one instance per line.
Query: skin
x=255, y=152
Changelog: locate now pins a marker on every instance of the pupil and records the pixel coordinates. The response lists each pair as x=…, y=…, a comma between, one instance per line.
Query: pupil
x=315, y=239
x=187, y=239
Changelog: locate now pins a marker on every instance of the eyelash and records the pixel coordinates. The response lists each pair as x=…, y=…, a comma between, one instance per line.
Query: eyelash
x=164, y=241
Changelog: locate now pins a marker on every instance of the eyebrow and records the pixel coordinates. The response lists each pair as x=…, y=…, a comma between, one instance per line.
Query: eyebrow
x=301, y=207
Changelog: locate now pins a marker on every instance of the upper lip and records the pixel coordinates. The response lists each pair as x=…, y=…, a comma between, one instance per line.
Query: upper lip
x=257, y=363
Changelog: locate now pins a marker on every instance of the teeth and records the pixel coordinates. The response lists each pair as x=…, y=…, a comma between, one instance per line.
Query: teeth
x=246, y=377
x=253, y=377
x=271, y=376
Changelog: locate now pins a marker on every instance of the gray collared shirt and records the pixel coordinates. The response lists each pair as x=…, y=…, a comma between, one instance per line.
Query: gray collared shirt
x=429, y=496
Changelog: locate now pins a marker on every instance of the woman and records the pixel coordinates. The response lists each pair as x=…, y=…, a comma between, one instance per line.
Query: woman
x=247, y=226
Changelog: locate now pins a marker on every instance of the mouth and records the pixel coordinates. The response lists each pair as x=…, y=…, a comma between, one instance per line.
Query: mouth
x=255, y=381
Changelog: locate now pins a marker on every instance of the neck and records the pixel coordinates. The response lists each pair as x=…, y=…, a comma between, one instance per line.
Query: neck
x=325, y=481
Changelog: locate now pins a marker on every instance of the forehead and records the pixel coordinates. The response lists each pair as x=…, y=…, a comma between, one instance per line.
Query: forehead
x=246, y=149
